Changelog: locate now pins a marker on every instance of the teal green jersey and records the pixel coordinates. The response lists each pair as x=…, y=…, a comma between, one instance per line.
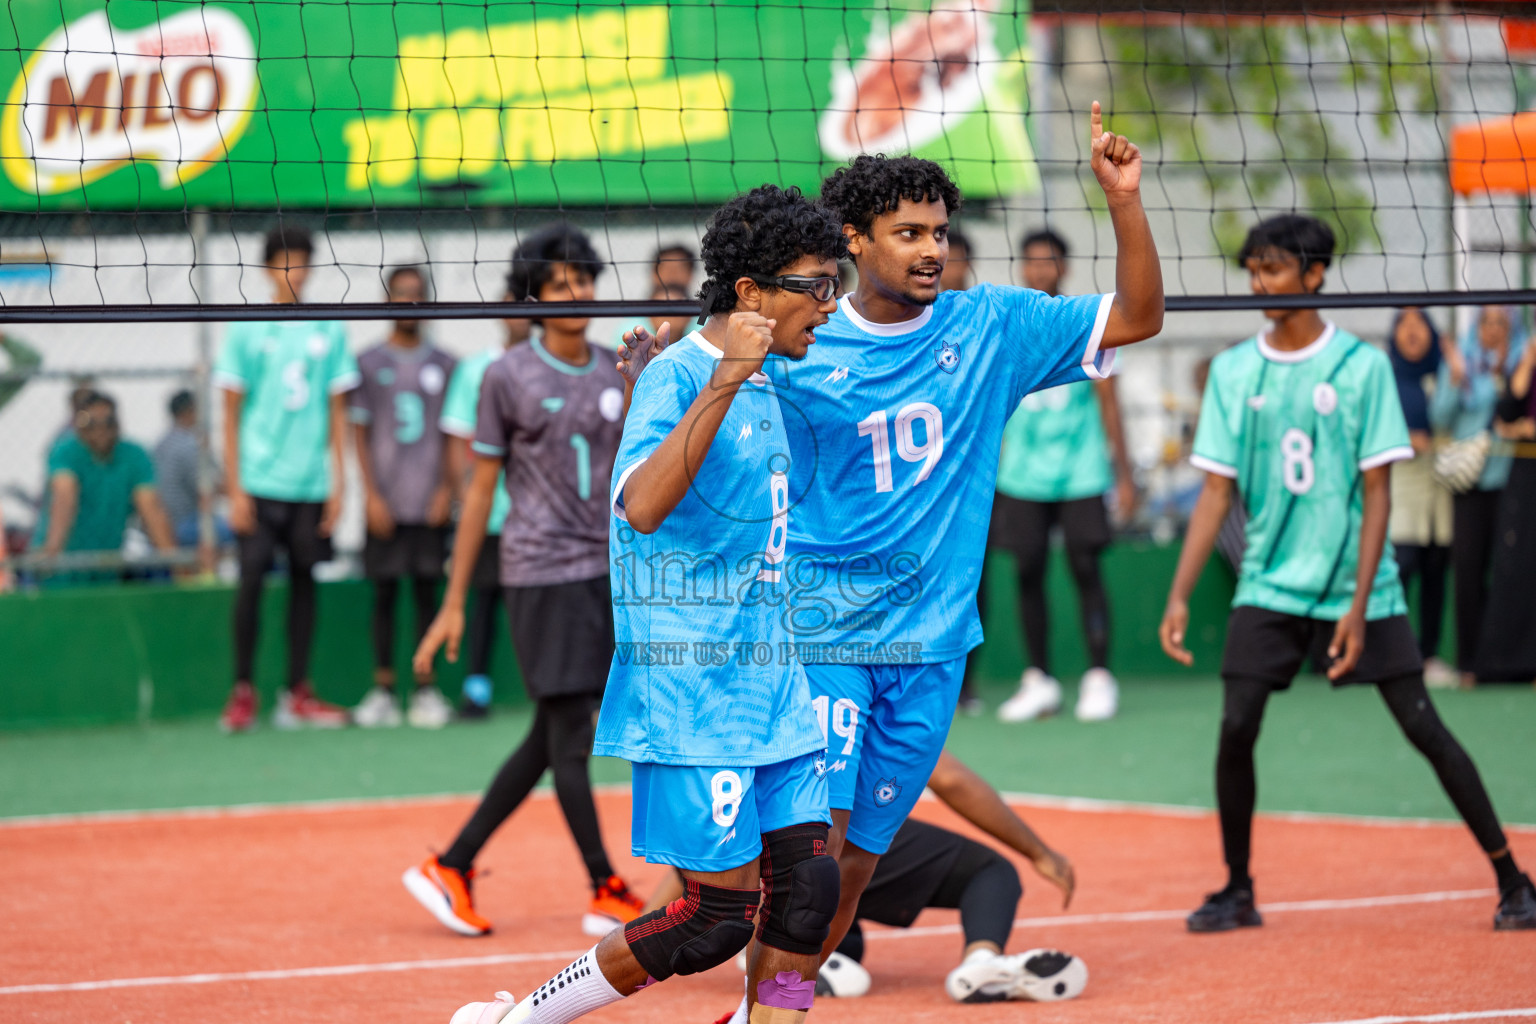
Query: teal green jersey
x=461, y=410
x=1054, y=448
x=287, y=373
x=107, y=489
x=1297, y=430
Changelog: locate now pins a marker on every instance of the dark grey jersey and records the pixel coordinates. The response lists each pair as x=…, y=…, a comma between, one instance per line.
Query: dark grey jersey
x=556, y=427
x=401, y=400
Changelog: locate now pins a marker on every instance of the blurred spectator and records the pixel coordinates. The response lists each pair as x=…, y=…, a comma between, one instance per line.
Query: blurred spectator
x=96, y=481
x=1507, y=647
x=396, y=413
x=284, y=416
x=81, y=389
x=957, y=275
x=178, y=458
x=674, y=266
x=1466, y=390
x=1420, y=528
x=5, y=555
x=681, y=323
x=22, y=361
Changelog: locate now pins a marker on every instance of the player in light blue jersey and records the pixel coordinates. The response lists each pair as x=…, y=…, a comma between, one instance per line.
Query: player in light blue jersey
x=705, y=696
x=896, y=420
x=1303, y=423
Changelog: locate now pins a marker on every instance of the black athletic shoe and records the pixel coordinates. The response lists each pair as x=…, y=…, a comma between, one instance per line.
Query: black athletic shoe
x=1517, y=907
x=1224, y=911
x=469, y=711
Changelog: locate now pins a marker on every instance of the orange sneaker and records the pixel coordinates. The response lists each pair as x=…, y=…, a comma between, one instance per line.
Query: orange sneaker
x=445, y=892
x=613, y=906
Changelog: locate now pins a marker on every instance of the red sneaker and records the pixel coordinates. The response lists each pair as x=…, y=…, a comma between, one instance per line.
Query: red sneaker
x=447, y=894
x=299, y=707
x=613, y=905
x=240, y=710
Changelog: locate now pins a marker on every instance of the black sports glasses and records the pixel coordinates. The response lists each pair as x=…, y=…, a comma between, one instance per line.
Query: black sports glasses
x=819, y=288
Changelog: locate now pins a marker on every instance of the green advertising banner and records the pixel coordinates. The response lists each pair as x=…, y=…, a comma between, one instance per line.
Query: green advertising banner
x=156, y=104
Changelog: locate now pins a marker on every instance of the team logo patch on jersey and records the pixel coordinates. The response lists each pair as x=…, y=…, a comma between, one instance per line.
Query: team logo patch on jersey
x=318, y=343
x=886, y=791
x=947, y=356
x=1256, y=403
x=431, y=378
x=553, y=404
x=819, y=763
x=386, y=377
x=611, y=404
x=1324, y=398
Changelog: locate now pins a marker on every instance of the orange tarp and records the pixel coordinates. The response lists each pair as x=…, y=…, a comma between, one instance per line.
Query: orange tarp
x=1495, y=156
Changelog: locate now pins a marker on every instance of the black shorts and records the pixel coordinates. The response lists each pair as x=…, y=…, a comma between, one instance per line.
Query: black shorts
x=562, y=635
x=488, y=564
x=1272, y=647
x=293, y=526
x=920, y=858
x=416, y=551
x=1025, y=526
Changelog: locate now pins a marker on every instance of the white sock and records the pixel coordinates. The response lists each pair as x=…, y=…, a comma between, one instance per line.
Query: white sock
x=574, y=992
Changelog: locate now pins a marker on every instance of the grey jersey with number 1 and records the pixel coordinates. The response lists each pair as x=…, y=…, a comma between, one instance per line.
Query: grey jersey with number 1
x=556, y=427
x=401, y=400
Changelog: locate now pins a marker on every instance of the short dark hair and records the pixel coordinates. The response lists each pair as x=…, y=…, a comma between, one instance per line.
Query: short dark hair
x=287, y=238
x=1307, y=238
x=688, y=255
x=1045, y=236
x=759, y=233
x=534, y=259
x=98, y=398
x=182, y=402
x=958, y=237
x=873, y=185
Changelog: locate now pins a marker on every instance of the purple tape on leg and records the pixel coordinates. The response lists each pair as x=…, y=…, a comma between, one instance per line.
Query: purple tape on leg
x=787, y=991
x=647, y=983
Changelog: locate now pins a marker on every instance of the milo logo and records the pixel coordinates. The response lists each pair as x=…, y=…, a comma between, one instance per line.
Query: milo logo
x=175, y=94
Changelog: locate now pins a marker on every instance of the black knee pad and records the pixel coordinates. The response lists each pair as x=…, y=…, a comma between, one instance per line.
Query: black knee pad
x=704, y=928
x=800, y=889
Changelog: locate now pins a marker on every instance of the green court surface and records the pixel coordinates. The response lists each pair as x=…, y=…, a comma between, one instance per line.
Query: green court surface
x=1321, y=751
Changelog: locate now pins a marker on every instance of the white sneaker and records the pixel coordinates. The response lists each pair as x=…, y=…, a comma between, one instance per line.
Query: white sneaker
x=1440, y=676
x=429, y=708
x=1039, y=696
x=842, y=977
x=1040, y=976
x=493, y=1012
x=379, y=709
x=1098, y=696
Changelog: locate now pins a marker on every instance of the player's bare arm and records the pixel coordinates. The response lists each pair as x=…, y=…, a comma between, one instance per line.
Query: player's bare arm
x=63, y=507
x=156, y=523
x=1137, y=312
x=242, y=507
x=639, y=347
x=1349, y=635
x=448, y=626
x=1114, y=430
x=380, y=521
x=974, y=799
x=653, y=490
x=1204, y=524
x=331, y=510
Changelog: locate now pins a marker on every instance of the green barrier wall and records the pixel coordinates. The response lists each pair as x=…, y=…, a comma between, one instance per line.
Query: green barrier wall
x=89, y=656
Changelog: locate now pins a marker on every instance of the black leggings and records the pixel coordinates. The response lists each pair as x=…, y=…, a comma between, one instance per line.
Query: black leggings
x=1428, y=562
x=386, y=595
x=560, y=739
x=1409, y=704
x=293, y=526
x=1094, y=605
x=1472, y=537
x=482, y=629
x=985, y=887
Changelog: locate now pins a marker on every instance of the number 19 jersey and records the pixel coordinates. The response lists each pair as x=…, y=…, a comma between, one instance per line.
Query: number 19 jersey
x=895, y=431
x=1296, y=431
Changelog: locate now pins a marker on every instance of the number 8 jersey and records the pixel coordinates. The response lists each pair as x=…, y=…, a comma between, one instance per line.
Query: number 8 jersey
x=895, y=430
x=1296, y=430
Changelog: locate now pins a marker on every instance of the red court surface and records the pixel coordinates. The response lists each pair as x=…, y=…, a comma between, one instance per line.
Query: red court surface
x=298, y=915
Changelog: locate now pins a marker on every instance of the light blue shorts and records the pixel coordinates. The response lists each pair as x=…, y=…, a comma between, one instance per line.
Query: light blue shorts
x=885, y=728
x=713, y=818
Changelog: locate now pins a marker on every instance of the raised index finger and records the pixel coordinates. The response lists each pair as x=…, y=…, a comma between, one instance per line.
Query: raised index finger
x=1095, y=122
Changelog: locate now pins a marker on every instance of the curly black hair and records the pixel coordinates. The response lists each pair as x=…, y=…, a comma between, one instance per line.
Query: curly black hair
x=759, y=233
x=535, y=256
x=286, y=238
x=1307, y=238
x=873, y=185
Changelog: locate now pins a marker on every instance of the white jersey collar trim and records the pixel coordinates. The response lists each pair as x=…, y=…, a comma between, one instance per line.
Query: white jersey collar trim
x=1300, y=355
x=917, y=323
x=716, y=354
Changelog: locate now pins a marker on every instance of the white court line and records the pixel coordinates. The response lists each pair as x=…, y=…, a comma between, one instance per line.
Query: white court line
x=1435, y=1018
x=903, y=933
x=1042, y=800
